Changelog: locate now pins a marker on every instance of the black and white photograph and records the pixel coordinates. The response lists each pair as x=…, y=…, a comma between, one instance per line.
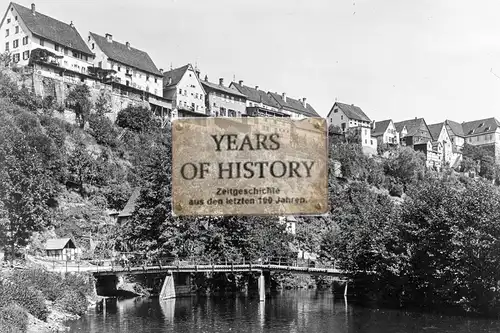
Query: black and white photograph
x=250, y=166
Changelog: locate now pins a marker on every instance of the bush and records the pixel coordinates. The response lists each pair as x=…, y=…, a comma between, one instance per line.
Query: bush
x=13, y=319
x=103, y=130
x=49, y=284
x=25, y=296
x=73, y=301
x=136, y=118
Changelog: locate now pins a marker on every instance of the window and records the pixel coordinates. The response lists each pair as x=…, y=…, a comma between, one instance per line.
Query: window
x=156, y=80
x=93, y=46
x=6, y=46
x=16, y=57
x=147, y=77
x=201, y=96
x=15, y=43
x=17, y=29
x=6, y=32
x=8, y=21
x=75, y=54
x=25, y=40
x=42, y=43
x=341, y=117
x=16, y=18
x=26, y=55
x=88, y=39
x=56, y=47
x=119, y=68
x=180, y=91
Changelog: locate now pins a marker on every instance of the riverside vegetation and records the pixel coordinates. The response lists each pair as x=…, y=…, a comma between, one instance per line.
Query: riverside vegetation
x=418, y=236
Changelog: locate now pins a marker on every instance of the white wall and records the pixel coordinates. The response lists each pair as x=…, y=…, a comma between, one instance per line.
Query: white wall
x=68, y=61
x=190, y=93
x=140, y=79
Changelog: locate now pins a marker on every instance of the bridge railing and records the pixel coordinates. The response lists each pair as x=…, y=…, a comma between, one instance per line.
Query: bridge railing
x=125, y=263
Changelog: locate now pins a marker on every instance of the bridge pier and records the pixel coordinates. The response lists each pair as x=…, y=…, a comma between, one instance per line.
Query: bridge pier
x=168, y=288
x=262, y=287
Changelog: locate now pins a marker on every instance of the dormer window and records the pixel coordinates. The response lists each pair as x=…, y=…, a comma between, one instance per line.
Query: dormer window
x=487, y=129
x=480, y=125
x=471, y=131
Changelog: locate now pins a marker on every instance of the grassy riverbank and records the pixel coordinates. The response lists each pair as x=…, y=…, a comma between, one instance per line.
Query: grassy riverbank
x=34, y=300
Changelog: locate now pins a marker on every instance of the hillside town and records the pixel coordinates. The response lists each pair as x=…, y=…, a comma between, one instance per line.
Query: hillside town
x=56, y=57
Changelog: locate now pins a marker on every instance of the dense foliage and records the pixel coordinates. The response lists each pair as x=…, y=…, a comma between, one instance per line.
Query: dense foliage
x=407, y=234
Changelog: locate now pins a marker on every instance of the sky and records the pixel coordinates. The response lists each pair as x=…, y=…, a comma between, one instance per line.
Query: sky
x=396, y=59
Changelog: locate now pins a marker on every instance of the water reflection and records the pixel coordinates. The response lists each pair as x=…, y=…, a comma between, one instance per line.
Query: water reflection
x=300, y=311
x=168, y=308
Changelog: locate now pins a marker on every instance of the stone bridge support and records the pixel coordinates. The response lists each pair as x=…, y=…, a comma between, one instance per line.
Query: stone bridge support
x=168, y=288
x=262, y=287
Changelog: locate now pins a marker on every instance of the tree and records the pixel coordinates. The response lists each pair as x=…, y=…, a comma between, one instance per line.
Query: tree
x=487, y=167
x=135, y=118
x=25, y=188
x=79, y=101
x=82, y=167
x=405, y=165
x=102, y=104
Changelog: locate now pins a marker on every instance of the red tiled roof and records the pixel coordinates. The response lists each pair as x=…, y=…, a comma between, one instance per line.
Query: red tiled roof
x=130, y=206
x=227, y=90
x=481, y=126
x=52, y=29
x=256, y=95
x=352, y=111
x=126, y=55
x=435, y=130
x=172, y=77
x=295, y=105
x=380, y=127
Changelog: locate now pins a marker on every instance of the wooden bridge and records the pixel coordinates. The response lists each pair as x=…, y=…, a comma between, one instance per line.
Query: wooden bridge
x=170, y=266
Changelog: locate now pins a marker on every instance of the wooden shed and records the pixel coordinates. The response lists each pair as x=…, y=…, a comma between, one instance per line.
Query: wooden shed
x=61, y=249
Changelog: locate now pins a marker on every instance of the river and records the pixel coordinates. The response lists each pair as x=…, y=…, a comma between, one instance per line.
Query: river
x=307, y=311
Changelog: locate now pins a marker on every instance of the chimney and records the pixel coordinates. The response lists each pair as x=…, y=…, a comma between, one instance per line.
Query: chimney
x=304, y=102
x=284, y=97
x=71, y=24
x=109, y=38
x=256, y=87
x=206, y=78
x=221, y=82
x=161, y=70
x=127, y=44
x=33, y=9
x=240, y=82
x=197, y=71
x=170, y=80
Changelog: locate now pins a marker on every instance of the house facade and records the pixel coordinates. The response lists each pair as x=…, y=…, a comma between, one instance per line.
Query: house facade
x=433, y=153
x=62, y=249
x=183, y=87
x=413, y=131
x=439, y=134
x=484, y=133
x=132, y=67
x=24, y=30
x=352, y=118
x=385, y=132
x=296, y=109
x=222, y=101
x=259, y=103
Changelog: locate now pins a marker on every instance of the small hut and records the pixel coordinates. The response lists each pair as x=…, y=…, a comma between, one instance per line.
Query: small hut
x=61, y=249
